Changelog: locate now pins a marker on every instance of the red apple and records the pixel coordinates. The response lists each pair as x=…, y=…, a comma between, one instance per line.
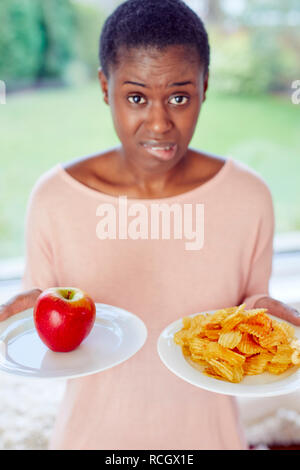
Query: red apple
x=63, y=317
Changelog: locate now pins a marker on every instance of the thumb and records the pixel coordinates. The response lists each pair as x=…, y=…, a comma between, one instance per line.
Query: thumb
x=280, y=310
x=19, y=302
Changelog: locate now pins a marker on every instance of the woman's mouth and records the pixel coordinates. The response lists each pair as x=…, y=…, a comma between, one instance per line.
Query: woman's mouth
x=164, y=152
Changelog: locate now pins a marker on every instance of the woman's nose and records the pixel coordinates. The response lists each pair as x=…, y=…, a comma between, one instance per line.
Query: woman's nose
x=158, y=120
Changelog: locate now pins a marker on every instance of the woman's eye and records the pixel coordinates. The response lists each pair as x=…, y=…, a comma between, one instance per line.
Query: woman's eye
x=135, y=99
x=179, y=99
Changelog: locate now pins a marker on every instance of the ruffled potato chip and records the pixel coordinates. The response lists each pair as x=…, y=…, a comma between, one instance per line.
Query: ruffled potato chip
x=275, y=337
x=283, y=354
x=230, y=339
x=232, y=320
x=261, y=320
x=276, y=368
x=248, y=346
x=254, y=311
x=221, y=368
x=215, y=350
x=255, y=364
x=210, y=371
x=235, y=342
x=254, y=330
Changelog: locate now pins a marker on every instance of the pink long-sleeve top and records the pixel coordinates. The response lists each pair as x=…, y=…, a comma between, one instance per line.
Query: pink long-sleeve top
x=140, y=404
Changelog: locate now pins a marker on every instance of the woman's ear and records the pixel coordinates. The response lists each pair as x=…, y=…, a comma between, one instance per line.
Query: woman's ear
x=104, y=84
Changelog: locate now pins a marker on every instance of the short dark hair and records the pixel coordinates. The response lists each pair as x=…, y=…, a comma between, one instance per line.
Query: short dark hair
x=152, y=23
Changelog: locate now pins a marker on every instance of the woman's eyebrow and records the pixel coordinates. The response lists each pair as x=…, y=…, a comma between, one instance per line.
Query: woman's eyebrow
x=188, y=82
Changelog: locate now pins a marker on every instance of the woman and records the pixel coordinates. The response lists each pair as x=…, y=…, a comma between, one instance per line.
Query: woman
x=154, y=76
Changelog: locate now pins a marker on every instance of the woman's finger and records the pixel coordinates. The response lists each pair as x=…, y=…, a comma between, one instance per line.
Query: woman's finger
x=289, y=314
x=280, y=310
x=18, y=303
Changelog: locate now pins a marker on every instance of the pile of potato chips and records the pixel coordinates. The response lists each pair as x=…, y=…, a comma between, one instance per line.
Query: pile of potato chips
x=234, y=342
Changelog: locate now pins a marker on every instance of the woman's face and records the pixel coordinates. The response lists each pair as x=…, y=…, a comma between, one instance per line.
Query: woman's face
x=155, y=100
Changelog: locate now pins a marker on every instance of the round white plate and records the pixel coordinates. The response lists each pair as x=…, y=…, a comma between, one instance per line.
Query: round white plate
x=115, y=337
x=262, y=385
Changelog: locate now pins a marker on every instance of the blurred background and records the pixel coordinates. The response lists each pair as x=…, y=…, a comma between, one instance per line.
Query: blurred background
x=54, y=112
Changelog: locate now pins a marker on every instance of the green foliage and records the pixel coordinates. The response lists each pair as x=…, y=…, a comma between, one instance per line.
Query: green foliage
x=20, y=40
x=36, y=40
x=88, y=22
x=257, y=61
x=58, y=31
x=262, y=131
x=274, y=13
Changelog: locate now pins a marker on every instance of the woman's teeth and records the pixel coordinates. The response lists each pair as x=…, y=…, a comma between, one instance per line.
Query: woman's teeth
x=159, y=148
x=165, y=153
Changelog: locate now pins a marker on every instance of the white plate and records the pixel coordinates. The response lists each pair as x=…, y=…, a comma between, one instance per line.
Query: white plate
x=116, y=336
x=262, y=385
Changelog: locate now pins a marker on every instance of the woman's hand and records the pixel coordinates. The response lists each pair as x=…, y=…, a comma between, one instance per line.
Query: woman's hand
x=279, y=309
x=18, y=303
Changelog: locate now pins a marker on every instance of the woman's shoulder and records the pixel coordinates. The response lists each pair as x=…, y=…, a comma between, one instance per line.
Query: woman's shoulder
x=203, y=165
x=240, y=183
x=42, y=198
x=210, y=164
x=53, y=180
x=82, y=166
x=249, y=179
x=97, y=171
x=250, y=191
x=46, y=184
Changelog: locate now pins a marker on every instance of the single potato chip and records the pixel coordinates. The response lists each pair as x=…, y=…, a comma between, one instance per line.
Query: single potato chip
x=198, y=345
x=248, y=346
x=181, y=338
x=288, y=329
x=212, y=333
x=187, y=321
x=210, y=371
x=222, y=369
x=276, y=368
x=254, y=311
x=277, y=336
x=238, y=374
x=217, y=317
x=216, y=351
x=230, y=339
x=254, y=330
x=283, y=354
x=232, y=320
x=256, y=364
x=186, y=350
